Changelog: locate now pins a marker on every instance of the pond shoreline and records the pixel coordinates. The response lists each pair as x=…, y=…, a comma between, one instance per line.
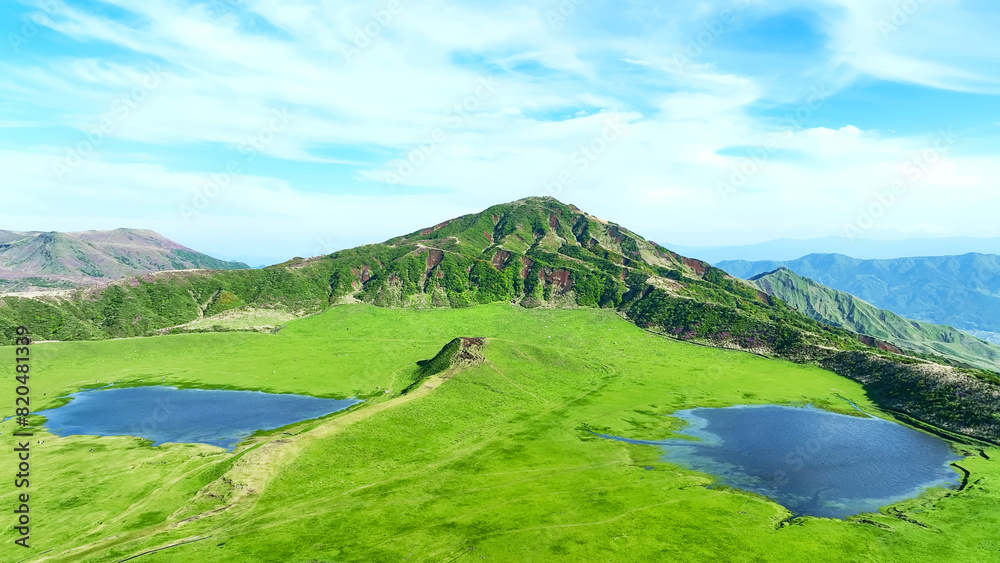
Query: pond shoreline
x=812, y=461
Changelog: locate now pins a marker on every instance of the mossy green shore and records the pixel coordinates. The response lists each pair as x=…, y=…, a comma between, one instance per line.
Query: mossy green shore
x=536, y=252
x=490, y=461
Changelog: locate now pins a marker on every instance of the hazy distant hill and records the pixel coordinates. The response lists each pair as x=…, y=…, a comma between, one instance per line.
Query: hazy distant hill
x=790, y=249
x=844, y=310
x=961, y=291
x=31, y=260
x=535, y=252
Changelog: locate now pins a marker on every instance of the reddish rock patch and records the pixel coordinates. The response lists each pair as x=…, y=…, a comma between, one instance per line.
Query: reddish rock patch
x=888, y=347
x=489, y=236
x=616, y=234
x=362, y=274
x=525, y=266
x=500, y=259
x=764, y=297
x=698, y=266
x=553, y=221
x=869, y=341
x=444, y=224
x=434, y=257
x=426, y=231
x=495, y=219
x=560, y=279
x=669, y=254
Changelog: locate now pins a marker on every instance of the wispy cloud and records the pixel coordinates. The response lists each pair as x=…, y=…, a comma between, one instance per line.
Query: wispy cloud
x=369, y=83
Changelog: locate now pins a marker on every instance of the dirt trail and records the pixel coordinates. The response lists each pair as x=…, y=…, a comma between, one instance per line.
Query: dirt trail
x=251, y=473
x=496, y=369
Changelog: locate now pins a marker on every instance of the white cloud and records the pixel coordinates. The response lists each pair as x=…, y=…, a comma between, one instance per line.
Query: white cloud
x=225, y=78
x=937, y=43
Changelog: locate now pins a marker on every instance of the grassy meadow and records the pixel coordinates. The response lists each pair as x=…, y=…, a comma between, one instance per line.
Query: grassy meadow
x=493, y=462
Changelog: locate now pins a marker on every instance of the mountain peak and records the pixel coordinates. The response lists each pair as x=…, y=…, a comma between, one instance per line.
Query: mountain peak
x=535, y=253
x=55, y=259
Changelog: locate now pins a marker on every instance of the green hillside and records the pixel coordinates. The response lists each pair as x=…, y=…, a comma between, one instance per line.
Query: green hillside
x=493, y=462
x=847, y=311
x=536, y=253
x=58, y=260
x=960, y=291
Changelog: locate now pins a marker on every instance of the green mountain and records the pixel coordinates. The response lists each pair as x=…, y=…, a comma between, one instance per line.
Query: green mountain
x=35, y=260
x=535, y=252
x=844, y=310
x=960, y=291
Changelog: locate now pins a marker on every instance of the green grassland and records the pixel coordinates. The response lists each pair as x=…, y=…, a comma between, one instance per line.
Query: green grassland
x=244, y=318
x=493, y=462
x=538, y=253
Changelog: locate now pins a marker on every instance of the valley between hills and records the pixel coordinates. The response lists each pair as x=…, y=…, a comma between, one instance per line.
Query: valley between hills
x=489, y=352
x=492, y=458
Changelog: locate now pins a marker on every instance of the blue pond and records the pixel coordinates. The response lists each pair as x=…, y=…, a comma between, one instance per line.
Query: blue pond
x=811, y=461
x=167, y=414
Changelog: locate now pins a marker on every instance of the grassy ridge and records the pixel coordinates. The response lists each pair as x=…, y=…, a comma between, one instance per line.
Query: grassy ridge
x=494, y=463
x=849, y=312
x=961, y=291
x=536, y=252
x=43, y=260
x=142, y=306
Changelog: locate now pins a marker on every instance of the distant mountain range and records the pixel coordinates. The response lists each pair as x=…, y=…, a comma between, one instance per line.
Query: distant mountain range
x=535, y=252
x=45, y=260
x=867, y=249
x=961, y=291
x=844, y=310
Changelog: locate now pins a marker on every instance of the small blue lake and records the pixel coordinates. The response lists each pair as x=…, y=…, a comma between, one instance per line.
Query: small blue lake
x=167, y=414
x=811, y=461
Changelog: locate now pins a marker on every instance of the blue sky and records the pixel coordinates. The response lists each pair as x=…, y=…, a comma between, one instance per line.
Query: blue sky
x=276, y=128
